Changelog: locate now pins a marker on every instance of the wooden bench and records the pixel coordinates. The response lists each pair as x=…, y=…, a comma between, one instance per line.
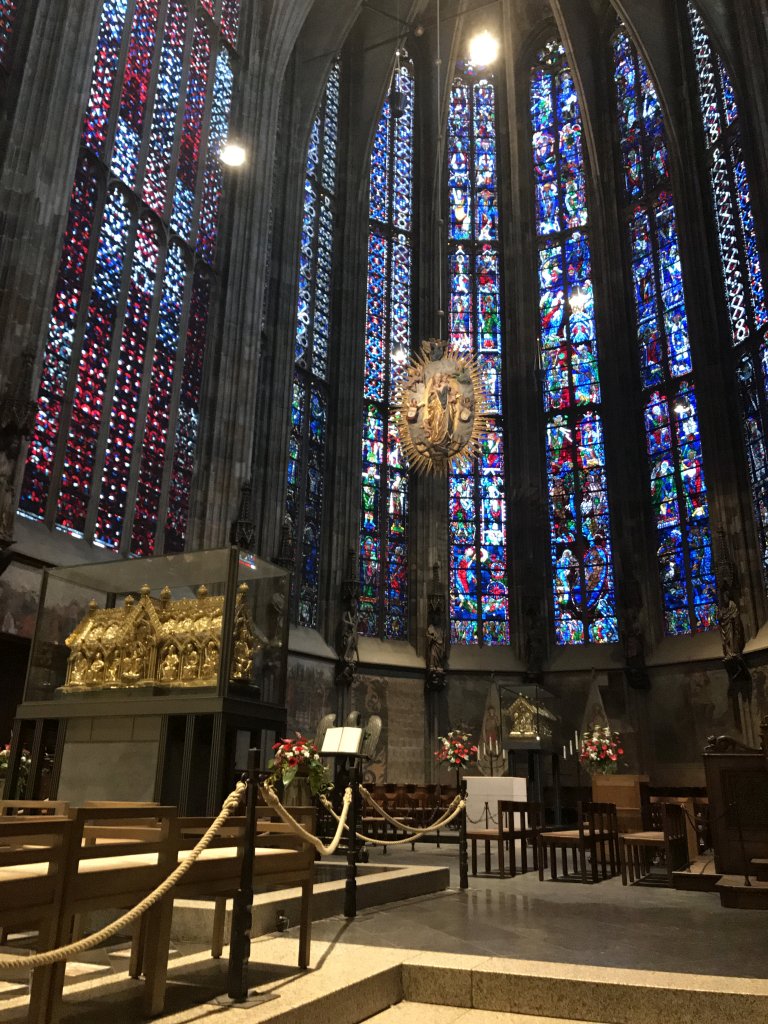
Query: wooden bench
x=280, y=858
x=33, y=856
x=114, y=874
x=52, y=870
x=43, y=808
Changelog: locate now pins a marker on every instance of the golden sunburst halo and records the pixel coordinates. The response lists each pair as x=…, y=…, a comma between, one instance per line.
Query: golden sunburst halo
x=440, y=409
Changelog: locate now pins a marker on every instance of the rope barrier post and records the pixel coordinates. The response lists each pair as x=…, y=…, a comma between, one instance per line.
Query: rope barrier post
x=350, y=890
x=242, y=904
x=463, y=859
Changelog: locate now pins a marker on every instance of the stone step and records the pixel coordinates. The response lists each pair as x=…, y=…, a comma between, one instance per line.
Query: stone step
x=579, y=992
x=425, y=1013
x=700, y=876
x=738, y=896
x=350, y=984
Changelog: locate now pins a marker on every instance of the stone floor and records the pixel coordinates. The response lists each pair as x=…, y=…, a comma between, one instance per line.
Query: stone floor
x=552, y=930
x=606, y=925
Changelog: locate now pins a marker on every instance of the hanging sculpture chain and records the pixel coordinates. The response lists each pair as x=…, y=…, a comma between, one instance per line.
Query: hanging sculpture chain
x=441, y=408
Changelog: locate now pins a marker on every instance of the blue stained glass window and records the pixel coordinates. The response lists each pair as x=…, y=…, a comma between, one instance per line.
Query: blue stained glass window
x=109, y=409
x=677, y=483
x=105, y=67
x=165, y=110
x=584, y=601
x=479, y=592
x=384, y=495
x=213, y=182
x=309, y=407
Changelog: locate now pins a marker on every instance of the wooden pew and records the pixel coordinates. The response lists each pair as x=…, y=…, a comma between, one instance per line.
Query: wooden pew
x=41, y=808
x=33, y=857
x=52, y=870
x=280, y=858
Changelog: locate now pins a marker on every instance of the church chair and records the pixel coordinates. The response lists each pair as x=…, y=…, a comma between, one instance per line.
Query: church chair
x=521, y=820
x=595, y=841
x=497, y=830
x=670, y=841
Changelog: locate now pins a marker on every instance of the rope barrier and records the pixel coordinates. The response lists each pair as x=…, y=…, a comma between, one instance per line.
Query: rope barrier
x=432, y=827
x=396, y=842
x=325, y=851
x=53, y=956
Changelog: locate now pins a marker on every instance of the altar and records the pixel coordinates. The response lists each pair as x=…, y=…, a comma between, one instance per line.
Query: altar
x=484, y=793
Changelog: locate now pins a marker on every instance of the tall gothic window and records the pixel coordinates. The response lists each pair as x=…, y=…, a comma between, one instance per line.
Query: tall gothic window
x=678, y=490
x=580, y=530
x=740, y=260
x=309, y=407
x=384, y=513
x=113, y=448
x=477, y=507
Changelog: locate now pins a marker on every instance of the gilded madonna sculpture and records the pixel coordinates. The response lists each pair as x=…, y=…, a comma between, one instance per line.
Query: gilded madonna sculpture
x=159, y=643
x=441, y=408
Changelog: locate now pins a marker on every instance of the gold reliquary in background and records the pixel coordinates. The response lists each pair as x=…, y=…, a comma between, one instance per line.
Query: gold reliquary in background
x=526, y=719
x=160, y=643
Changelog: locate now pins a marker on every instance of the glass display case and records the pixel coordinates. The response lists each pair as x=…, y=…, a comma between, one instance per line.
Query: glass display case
x=209, y=622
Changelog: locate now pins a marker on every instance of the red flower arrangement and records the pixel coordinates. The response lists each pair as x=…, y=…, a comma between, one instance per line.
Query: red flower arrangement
x=601, y=750
x=300, y=753
x=456, y=749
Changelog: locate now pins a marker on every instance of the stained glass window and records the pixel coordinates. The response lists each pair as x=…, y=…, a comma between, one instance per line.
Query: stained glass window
x=309, y=407
x=584, y=601
x=384, y=511
x=7, y=20
x=479, y=594
x=743, y=286
x=112, y=452
x=677, y=484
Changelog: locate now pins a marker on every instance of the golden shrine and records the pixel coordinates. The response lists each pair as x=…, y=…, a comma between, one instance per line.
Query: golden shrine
x=159, y=642
x=528, y=720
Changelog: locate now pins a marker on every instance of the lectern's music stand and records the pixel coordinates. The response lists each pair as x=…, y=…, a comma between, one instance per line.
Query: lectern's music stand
x=351, y=745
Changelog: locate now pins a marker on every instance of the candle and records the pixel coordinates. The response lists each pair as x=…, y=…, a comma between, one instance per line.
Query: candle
x=564, y=753
x=571, y=746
